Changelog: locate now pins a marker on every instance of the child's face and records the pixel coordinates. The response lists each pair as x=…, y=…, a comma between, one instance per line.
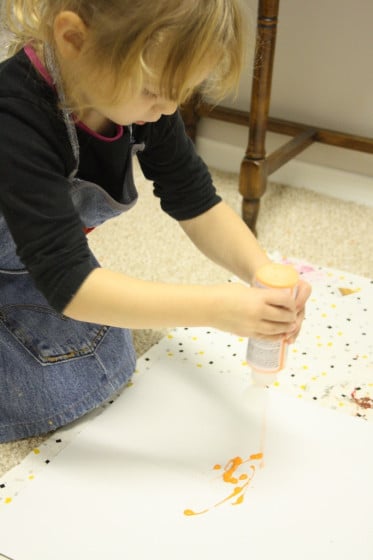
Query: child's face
x=70, y=35
x=144, y=107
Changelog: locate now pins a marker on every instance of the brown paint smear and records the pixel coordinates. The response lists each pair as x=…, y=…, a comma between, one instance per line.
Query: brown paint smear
x=231, y=476
x=363, y=402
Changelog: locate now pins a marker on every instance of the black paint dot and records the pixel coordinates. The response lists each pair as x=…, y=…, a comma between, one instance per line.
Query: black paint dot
x=58, y=440
x=2, y=485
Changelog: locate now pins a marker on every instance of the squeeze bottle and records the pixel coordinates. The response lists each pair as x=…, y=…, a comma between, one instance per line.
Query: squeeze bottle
x=267, y=357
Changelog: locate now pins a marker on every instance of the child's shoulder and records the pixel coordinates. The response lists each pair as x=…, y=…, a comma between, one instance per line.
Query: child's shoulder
x=14, y=71
x=20, y=81
x=29, y=108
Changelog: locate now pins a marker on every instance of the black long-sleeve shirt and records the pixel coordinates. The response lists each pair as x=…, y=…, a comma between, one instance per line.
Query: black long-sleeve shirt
x=36, y=161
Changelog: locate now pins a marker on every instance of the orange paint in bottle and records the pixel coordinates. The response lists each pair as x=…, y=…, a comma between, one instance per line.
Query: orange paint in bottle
x=267, y=357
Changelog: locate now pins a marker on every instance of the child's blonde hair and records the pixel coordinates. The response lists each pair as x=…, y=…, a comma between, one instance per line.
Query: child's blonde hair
x=126, y=38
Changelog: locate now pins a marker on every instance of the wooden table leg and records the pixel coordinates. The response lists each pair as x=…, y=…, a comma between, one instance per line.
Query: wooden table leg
x=254, y=168
x=256, y=165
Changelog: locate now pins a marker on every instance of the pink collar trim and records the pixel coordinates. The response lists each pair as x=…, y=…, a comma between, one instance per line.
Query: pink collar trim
x=119, y=133
x=37, y=63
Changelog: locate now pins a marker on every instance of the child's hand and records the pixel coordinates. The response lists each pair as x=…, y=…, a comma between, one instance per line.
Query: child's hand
x=304, y=292
x=257, y=313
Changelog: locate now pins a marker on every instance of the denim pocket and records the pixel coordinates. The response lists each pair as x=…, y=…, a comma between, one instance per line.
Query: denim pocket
x=49, y=336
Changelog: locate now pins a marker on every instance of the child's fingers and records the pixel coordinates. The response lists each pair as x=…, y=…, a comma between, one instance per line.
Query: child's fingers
x=277, y=321
x=284, y=315
x=279, y=299
x=300, y=317
x=303, y=293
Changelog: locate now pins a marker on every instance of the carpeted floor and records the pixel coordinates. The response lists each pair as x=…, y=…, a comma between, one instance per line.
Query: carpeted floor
x=294, y=222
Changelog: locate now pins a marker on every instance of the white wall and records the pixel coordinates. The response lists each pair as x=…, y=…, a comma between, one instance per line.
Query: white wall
x=323, y=76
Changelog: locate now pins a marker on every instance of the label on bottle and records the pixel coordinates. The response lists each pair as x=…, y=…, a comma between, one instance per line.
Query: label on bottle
x=266, y=355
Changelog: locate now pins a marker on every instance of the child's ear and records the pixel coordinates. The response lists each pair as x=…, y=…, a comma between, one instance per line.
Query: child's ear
x=70, y=32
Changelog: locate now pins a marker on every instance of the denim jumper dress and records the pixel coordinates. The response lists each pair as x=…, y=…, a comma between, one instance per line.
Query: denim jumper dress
x=54, y=369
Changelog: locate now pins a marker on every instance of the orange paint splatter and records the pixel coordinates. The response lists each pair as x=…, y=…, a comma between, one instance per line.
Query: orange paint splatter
x=191, y=512
x=230, y=468
x=232, y=473
x=238, y=492
x=238, y=501
x=256, y=457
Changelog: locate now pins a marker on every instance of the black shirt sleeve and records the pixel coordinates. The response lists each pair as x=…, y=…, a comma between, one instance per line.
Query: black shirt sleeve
x=181, y=179
x=35, y=202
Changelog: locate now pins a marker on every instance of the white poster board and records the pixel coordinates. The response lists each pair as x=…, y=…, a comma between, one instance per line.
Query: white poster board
x=173, y=442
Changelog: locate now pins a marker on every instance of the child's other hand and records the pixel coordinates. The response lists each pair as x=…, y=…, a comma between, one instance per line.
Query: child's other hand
x=256, y=313
x=304, y=292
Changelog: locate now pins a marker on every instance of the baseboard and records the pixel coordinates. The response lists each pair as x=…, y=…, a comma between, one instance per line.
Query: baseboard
x=325, y=180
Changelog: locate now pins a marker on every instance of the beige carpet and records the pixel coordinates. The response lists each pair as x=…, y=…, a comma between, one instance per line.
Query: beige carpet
x=295, y=222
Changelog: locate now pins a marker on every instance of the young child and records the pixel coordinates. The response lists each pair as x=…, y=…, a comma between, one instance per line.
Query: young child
x=89, y=84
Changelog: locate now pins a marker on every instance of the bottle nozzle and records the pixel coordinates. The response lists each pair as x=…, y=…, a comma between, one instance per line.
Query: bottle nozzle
x=263, y=379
